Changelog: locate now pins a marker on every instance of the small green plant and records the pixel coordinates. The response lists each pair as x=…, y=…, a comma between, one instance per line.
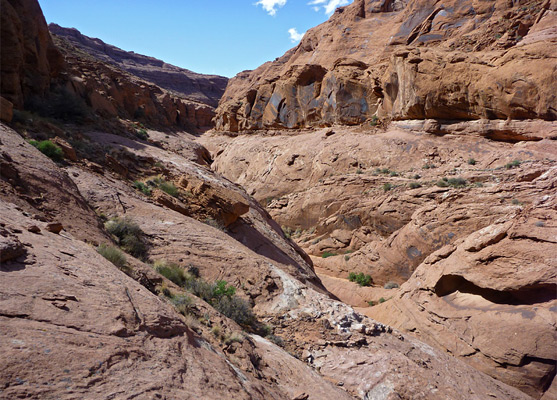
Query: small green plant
x=287, y=231
x=391, y=285
x=233, y=338
x=516, y=202
x=429, y=166
x=346, y=257
x=49, y=149
x=183, y=303
x=442, y=183
x=471, y=161
x=143, y=188
x=374, y=120
x=112, y=254
x=327, y=254
x=382, y=300
x=359, y=171
x=171, y=271
x=416, y=176
x=414, y=185
x=371, y=303
x=128, y=235
x=513, y=164
x=170, y=188
x=142, y=134
x=457, y=182
x=360, y=278
x=393, y=173
x=387, y=187
x=479, y=184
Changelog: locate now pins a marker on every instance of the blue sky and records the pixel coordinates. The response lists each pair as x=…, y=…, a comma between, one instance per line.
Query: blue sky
x=209, y=36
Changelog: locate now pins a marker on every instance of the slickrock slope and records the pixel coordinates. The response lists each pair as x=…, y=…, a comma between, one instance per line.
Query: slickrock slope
x=403, y=60
x=85, y=325
x=381, y=201
x=207, y=89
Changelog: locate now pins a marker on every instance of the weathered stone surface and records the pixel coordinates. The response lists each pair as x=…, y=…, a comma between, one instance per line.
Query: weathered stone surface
x=6, y=110
x=405, y=60
x=29, y=59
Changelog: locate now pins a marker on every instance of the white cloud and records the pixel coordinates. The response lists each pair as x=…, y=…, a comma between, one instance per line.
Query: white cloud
x=295, y=36
x=329, y=5
x=271, y=6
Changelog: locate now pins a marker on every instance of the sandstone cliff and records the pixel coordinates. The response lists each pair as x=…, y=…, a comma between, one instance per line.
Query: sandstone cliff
x=207, y=89
x=404, y=60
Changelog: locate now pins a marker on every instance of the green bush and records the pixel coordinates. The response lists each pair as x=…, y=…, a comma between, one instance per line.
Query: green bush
x=457, y=182
x=414, y=185
x=170, y=271
x=112, y=254
x=391, y=285
x=382, y=300
x=442, y=183
x=471, y=161
x=170, y=188
x=49, y=149
x=216, y=224
x=327, y=254
x=236, y=309
x=360, y=278
x=513, y=164
x=128, y=234
x=183, y=303
x=387, y=187
x=143, y=188
x=429, y=166
x=142, y=134
x=371, y=303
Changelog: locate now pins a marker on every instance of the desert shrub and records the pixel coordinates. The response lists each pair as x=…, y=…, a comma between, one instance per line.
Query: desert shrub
x=359, y=171
x=414, y=185
x=171, y=271
x=416, y=176
x=112, y=254
x=49, y=149
x=387, y=187
x=346, y=257
x=382, y=300
x=371, y=303
x=128, y=234
x=183, y=303
x=170, y=188
x=513, y=164
x=516, y=202
x=429, y=166
x=236, y=309
x=360, y=278
x=143, y=188
x=391, y=285
x=193, y=271
x=374, y=120
x=442, y=183
x=393, y=173
x=287, y=231
x=471, y=161
x=142, y=134
x=457, y=182
x=234, y=338
x=276, y=340
x=327, y=254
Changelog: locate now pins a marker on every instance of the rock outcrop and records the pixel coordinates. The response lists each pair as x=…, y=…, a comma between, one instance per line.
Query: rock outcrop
x=29, y=58
x=200, y=88
x=404, y=60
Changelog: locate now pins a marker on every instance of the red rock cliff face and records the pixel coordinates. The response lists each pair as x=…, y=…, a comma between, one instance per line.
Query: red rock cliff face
x=405, y=60
x=29, y=59
x=201, y=88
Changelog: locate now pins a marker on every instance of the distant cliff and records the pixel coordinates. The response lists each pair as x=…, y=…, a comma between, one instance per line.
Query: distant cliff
x=207, y=89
